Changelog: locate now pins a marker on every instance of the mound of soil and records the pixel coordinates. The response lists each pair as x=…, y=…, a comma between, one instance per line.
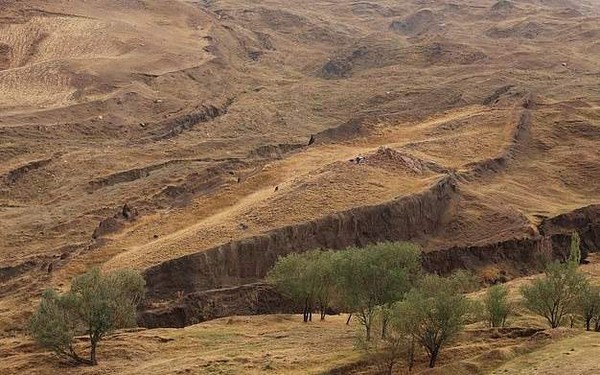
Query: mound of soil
x=503, y=6
x=391, y=159
x=5, y=55
x=417, y=23
x=524, y=30
x=444, y=53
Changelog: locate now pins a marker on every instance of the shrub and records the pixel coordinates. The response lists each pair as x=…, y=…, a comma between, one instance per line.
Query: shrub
x=496, y=305
x=307, y=278
x=589, y=305
x=464, y=281
x=555, y=295
x=96, y=305
x=376, y=276
x=437, y=312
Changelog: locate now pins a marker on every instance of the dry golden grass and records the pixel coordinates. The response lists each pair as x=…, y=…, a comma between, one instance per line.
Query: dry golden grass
x=91, y=85
x=58, y=53
x=574, y=355
x=282, y=344
x=237, y=345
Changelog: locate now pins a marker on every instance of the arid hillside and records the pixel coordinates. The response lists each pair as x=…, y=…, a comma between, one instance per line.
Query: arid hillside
x=197, y=141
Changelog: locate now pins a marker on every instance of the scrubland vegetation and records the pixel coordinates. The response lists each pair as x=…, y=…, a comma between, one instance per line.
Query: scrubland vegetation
x=405, y=315
x=96, y=305
x=404, y=312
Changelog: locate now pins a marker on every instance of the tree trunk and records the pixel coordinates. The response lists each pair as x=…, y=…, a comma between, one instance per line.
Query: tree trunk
x=587, y=323
x=368, y=328
x=349, y=317
x=390, y=368
x=71, y=354
x=93, y=353
x=411, y=355
x=433, y=357
x=322, y=312
x=305, y=313
x=384, y=324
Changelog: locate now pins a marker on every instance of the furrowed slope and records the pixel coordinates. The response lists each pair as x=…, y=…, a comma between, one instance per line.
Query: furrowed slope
x=136, y=133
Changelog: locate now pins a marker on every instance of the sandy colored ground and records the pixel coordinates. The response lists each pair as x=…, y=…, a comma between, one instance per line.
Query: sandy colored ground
x=194, y=112
x=282, y=344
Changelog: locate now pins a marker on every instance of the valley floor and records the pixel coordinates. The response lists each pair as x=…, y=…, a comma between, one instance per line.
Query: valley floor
x=282, y=344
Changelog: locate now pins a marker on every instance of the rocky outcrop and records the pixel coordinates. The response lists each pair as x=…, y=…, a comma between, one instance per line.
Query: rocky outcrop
x=585, y=221
x=175, y=126
x=248, y=260
x=520, y=136
x=116, y=222
x=16, y=174
x=514, y=257
x=9, y=272
x=526, y=255
x=275, y=151
x=119, y=177
x=251, y=299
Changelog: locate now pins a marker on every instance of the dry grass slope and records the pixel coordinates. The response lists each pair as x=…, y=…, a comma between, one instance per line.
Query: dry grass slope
x=194, y=112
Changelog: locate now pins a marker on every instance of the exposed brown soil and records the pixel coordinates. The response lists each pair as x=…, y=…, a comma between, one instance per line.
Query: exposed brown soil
x=192, y=283
x=231, y=129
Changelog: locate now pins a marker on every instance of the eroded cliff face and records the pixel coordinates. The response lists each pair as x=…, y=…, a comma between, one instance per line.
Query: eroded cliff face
x=250, y=299
x=525, y=255
x=585, y=220
x=248, y=260
x=510, y=258
x=225, y=280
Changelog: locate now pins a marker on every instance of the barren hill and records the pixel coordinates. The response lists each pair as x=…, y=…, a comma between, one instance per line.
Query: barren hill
x=198, y=140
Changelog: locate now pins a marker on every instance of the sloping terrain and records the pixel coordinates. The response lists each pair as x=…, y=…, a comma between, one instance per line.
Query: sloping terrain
x=136, y=132
x=282, y=344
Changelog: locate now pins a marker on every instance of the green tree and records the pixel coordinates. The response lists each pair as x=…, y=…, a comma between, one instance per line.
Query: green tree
x=96, y=305
x=589, y=304
x=289, y=276
x=398, y=345
x=376, y=276
x=437, y=312
x=324, y=279
x=464, y=281
x=496, y=305
x=306, y=278
x=555, y=294
x=575, y=253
